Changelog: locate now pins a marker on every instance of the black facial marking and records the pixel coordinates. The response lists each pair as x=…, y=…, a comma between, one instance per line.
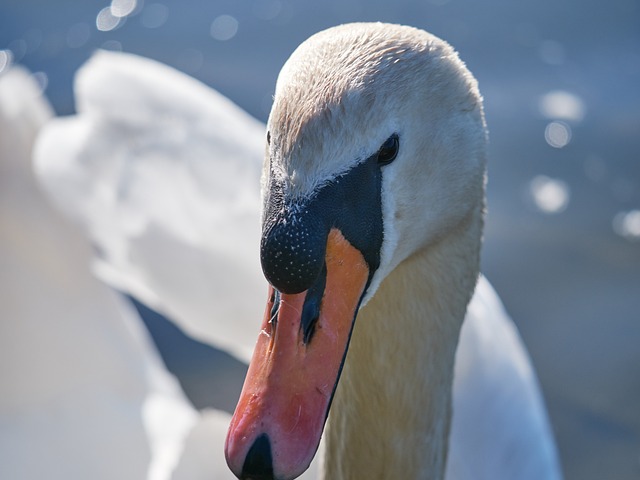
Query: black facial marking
x=294, y=233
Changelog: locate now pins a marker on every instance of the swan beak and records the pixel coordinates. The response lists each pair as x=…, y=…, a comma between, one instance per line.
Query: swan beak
x=276, y=428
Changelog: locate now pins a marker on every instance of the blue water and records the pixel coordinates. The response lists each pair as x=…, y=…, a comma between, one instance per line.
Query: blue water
x=562, y=241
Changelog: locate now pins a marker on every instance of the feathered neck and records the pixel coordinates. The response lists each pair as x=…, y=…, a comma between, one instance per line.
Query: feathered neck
x=391, y=413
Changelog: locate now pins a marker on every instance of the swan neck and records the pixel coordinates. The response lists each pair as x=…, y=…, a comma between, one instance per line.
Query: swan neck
x=391, y=413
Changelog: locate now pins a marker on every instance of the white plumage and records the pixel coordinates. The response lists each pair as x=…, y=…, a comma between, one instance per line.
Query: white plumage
x=163, y=172
x=84, y=392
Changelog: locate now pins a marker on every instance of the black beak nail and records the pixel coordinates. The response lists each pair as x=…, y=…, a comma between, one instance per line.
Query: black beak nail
x=258, y=465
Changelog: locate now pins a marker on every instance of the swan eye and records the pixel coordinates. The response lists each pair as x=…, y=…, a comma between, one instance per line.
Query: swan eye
x=389, y=150
x=268, y=137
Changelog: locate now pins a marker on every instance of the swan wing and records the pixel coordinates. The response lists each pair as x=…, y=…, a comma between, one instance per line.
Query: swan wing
x=500, y=428
x=163, y=173
x=79, y=372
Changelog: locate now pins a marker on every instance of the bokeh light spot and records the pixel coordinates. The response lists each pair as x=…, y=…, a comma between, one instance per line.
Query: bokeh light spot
x=107, y=21
x=562, y=105
x=122, y=8
x=549, y=195
x=154, y=15
x=6, y=58
x=627, y=225
x=112, y=45
x=224, y=27
x=557, y=134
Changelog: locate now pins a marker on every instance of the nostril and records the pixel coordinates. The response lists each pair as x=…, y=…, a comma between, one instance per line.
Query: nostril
x=311, y=308
x=259, y=464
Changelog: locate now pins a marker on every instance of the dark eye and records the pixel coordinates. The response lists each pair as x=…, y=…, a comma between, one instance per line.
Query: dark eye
x=389, y=150
x=268, y=138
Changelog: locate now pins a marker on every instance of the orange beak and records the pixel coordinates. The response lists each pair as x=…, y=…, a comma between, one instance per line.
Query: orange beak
x=276, y=428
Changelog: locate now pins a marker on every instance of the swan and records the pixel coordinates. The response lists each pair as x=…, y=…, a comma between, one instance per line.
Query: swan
x=163, y=172
x=373, y=204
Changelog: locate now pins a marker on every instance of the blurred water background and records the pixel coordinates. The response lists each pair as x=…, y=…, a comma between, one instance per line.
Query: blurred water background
x=561, y=81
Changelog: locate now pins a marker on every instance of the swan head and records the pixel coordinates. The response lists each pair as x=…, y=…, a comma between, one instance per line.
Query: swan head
x=375, y=150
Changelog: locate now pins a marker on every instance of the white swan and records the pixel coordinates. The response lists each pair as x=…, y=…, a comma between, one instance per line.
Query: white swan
x=373, y=190
x=84, y=393
x=145, y=134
